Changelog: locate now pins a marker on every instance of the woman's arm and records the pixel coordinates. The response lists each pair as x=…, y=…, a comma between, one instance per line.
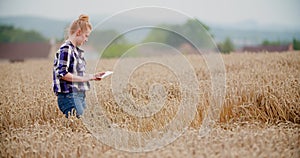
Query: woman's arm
x=73, y=78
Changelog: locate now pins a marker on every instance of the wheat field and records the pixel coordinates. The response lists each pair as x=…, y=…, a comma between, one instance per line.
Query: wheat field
x=260, y=115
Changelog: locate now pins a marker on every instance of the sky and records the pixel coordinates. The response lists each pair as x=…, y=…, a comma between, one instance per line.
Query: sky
x=224, y=12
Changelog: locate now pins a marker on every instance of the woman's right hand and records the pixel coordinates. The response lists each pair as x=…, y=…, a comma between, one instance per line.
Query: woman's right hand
x=98, y=75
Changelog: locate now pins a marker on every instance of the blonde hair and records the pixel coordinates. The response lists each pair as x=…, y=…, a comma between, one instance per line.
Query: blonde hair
x=81, y=23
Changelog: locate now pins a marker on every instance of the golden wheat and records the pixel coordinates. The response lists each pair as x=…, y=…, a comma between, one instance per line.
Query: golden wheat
x=261, y=88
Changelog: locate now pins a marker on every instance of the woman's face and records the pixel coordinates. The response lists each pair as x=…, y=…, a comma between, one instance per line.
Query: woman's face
x=82, y=37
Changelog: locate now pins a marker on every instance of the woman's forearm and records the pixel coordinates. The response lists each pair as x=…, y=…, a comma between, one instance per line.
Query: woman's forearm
x=73, y=78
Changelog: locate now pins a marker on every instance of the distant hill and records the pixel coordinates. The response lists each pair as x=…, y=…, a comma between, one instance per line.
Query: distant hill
x=242, y=34
x=49, y=28
x=253, y=37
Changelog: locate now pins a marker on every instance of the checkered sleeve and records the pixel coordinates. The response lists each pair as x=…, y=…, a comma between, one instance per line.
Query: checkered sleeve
x=64, y=57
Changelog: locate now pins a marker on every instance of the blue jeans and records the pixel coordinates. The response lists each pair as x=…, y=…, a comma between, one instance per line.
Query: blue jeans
x=71, y=102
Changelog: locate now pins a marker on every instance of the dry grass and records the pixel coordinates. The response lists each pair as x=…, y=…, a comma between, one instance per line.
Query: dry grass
x=260, y=115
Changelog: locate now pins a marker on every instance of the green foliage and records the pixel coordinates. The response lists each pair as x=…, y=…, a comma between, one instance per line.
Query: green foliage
x=180, y=34
x=271, y=43
x=296, y=44
x=117, y=50
x=157, y=35
x=118, y=45
x=101, y=38
x=275, y=43
x=110, y=42
x=9, y=34
x=168, y=37
x=227, y=46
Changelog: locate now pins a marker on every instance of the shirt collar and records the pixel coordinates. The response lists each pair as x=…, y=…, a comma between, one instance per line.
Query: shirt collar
x=77, y=48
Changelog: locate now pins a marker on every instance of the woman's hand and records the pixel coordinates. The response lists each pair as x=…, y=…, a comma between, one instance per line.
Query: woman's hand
x=98, y=76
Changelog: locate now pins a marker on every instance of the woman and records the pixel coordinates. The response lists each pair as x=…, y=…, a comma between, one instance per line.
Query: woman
x=69, y=78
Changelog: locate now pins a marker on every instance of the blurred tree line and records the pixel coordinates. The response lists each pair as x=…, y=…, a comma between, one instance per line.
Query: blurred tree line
x=98, y=39
x=296, y=44
x=190, y=29
x=110, y=42
x=115, y=45
x=271, y=43
x=227, y=46
x=176, y=35
x=10, y=34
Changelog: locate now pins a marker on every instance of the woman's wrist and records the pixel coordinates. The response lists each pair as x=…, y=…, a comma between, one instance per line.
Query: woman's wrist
x=91, y=77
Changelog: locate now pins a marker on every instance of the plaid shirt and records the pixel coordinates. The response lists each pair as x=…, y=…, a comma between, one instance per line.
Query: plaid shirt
x=69, y=59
